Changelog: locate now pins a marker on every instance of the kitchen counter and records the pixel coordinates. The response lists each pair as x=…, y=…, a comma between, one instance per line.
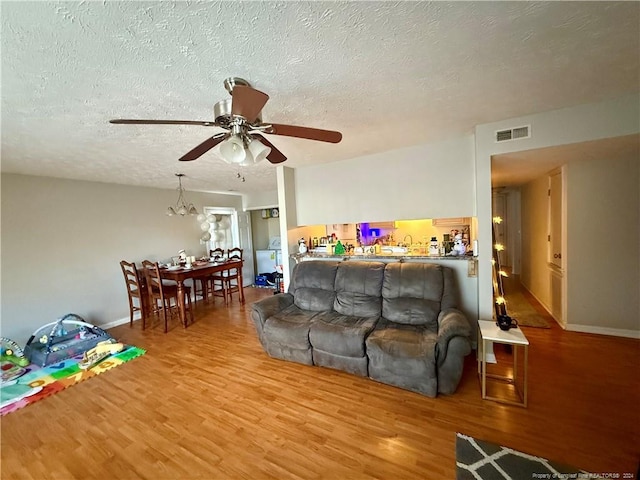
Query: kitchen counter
x=377, y=257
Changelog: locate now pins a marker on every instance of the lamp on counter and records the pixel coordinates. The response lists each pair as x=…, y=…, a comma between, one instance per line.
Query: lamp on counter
x=241, y=149
x=181, y=208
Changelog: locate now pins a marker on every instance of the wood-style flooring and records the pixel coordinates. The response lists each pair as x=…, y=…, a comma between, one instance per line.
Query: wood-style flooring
x=208, y=403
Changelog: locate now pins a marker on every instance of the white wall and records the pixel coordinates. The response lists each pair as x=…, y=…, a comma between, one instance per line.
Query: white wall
x=603, y=237
x=427, y=181
x=258, y=200
x=535, y=269
x=62, y=241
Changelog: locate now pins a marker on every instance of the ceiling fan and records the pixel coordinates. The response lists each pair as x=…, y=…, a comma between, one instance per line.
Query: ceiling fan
x=244, y=143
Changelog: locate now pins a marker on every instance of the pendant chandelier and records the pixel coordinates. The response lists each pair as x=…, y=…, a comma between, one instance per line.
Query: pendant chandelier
x=181, y=207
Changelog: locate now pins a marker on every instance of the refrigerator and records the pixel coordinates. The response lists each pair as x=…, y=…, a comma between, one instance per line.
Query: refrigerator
x=266, y=260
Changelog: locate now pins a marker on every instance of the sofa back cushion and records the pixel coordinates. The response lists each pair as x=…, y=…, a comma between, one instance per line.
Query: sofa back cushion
x=313, y=285
x=414, y=293
x=359, y=289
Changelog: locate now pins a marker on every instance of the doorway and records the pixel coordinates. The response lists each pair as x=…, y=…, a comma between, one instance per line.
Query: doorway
x=232, y=229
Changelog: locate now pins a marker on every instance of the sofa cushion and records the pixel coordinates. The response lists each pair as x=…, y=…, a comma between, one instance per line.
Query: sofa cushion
x=412, y=293
x=339, y=334
x=312, y=285
x=358, y=288
x=289, y=327
x=404, y=356
x=404, y=341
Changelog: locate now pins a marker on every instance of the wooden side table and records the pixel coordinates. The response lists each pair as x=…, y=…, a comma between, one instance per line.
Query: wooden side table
x=488, y=331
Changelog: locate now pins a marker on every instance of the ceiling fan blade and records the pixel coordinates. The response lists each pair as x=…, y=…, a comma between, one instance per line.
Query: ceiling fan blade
x=161, y=122
x=276, y=156
x=203, y=148
x=305, y=132
x=247, y=102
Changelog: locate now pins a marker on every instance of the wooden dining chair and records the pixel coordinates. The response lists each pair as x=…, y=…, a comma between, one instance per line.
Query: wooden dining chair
x=136, y=290
x=204, y=286
x=233, y=276
x=166, y=294
x=217, y=280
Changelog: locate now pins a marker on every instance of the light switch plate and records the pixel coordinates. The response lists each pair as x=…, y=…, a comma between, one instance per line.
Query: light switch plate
x=472, y=268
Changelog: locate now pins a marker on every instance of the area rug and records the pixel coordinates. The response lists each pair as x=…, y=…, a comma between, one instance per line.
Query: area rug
x=54, y=378
x=480, y=460
x=518, y=307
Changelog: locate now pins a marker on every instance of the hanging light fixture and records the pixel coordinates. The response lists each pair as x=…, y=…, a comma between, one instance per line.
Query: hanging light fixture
x=241, y=149
x=181, y=208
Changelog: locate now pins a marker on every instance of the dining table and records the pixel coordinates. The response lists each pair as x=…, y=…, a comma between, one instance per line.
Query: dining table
x=197, y=270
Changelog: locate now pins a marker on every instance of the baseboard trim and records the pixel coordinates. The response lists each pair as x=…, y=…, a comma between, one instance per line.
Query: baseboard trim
x=616, y=332
x=136, y=316
x=120, y=321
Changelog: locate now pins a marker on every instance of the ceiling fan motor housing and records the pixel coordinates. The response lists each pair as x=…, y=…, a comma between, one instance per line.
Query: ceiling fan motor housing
x=231, y=82
x=223, y=116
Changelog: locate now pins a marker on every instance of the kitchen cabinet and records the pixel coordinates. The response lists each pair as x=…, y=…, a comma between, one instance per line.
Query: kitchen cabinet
x=343, y=231
x=451, y=222
x=386, y=225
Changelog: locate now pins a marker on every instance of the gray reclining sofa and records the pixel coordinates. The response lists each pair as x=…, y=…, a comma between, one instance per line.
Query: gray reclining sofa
x=396, y=323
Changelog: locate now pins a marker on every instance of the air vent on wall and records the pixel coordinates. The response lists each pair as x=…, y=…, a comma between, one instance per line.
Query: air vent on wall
x=516, y=133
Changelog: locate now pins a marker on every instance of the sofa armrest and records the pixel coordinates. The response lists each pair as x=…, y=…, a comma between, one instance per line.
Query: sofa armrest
x=267, y=307
x=451, y=323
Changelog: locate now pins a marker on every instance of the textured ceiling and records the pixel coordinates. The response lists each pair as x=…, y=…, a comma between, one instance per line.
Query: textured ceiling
x=385, y=74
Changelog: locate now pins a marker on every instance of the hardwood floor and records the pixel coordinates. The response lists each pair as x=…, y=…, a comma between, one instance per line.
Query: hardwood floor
x=207, y=402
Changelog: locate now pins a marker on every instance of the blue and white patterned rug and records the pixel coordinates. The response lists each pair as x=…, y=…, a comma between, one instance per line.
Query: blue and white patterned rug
x=480, y=460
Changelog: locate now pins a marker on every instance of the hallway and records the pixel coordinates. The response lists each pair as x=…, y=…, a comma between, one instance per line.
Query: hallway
x=523, y=306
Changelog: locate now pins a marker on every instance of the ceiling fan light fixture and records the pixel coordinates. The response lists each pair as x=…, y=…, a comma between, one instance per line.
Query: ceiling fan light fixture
x=258, y=150
x=233, y=149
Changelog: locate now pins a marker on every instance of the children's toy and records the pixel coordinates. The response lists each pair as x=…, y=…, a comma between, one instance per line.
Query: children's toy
x=98, y=353
x=63, y=339
x=11, y=392
x=12, y=361
x=11, y=351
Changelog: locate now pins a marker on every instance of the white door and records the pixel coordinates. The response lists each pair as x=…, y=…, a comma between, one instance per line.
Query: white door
x=557, y=244
x=244, y=232
x=555, y=219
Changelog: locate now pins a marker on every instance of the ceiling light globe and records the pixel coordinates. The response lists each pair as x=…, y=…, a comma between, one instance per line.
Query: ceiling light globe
x=170, y=212
x=258, y=150
x=233, y=150
x=182, y=210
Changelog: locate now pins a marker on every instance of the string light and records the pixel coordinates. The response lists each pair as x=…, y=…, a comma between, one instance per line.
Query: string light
x=499, y=247
x=497, y=219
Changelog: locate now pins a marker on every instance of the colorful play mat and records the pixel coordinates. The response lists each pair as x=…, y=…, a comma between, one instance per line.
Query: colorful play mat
x=40, y=382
